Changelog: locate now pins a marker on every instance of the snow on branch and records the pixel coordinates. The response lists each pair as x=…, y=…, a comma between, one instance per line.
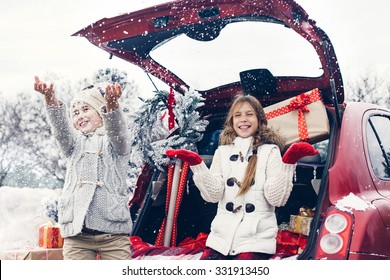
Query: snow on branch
x=151, y=137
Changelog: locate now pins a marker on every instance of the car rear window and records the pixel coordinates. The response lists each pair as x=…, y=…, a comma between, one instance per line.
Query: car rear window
x=240, y=46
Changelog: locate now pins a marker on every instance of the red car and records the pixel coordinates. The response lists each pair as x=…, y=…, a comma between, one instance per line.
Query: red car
x=340, y=204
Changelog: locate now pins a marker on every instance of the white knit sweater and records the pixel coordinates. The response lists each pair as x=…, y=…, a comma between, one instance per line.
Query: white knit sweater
x=245, y=223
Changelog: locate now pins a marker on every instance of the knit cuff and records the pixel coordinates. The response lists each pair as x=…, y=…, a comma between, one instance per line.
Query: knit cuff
x=288, y=168
x=199, y=168
x=61, y=104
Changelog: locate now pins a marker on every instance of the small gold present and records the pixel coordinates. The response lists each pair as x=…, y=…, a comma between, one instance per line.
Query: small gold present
x=300, y=224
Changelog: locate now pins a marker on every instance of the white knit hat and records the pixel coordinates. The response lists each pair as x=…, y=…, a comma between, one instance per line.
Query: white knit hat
x=93, y=95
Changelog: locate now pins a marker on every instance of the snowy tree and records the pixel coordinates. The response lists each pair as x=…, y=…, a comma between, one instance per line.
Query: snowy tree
x=22, y=140
x=27, y=139
x=6, y=134
x=151, y=134
x=371, y=88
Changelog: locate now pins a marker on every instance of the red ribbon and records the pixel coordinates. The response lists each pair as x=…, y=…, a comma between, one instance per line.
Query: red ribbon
x=137, y=243
x=170, y=104
x=199, y=242
x=298, y=103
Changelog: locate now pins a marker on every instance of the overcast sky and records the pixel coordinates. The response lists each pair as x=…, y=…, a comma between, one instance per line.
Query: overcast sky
x=36, y=37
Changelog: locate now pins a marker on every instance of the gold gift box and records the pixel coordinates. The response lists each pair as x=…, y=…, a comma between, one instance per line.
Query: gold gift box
x=300, y=224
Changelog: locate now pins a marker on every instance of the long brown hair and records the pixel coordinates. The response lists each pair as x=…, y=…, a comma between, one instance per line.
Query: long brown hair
x=263, y=135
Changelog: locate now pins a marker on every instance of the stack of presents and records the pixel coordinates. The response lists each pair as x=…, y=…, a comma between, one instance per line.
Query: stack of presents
x=292, y=238
x=49, y=246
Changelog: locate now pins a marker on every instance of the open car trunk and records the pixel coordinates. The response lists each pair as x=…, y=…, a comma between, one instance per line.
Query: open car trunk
x=298, y=219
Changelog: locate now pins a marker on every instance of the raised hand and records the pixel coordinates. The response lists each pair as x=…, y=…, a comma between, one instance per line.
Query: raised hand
x=112, y=95
x=47, y=91
x=297, y=151
x=185, y=155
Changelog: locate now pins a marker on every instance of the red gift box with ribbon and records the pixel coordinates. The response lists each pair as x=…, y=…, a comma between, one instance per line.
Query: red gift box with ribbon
x=301, y=118
x=289, y=243
x=50, y=236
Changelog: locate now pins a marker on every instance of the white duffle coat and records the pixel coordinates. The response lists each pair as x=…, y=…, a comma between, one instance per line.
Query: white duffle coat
x=245, y=223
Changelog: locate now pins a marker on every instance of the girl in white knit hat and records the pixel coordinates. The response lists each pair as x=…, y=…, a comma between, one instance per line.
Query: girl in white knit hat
x=93, y=213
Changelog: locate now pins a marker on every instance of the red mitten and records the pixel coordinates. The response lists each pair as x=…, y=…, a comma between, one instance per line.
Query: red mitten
x=185, y=155
x=297, y=151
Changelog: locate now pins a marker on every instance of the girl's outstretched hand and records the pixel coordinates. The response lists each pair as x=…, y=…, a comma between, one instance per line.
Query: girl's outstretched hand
x=297, y=151
x=185, y=155
x=112, y=95
x=46, y=90
x=43, y=88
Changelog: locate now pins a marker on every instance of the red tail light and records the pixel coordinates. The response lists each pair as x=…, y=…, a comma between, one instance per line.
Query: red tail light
x=335, y=236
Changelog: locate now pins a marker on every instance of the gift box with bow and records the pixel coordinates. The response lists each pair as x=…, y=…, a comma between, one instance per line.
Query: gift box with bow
x=289, y=243
x=301, y=223
x=301, y=118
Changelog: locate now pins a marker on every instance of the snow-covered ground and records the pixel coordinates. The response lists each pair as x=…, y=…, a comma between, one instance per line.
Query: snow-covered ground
x=21, y=214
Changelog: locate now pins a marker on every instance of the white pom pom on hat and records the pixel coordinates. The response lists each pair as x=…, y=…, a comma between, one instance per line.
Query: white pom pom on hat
x=92, y=95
